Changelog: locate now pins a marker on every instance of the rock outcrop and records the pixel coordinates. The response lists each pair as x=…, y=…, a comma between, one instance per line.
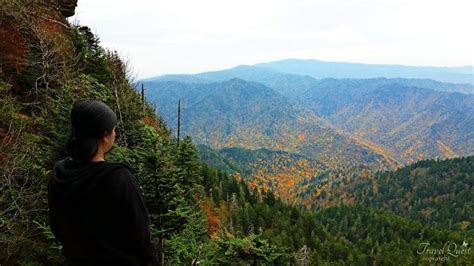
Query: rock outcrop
x=67, y=7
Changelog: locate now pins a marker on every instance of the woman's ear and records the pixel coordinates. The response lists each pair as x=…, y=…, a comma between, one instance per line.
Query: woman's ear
x=105, y=138
x=108, y=136
x=109, y=139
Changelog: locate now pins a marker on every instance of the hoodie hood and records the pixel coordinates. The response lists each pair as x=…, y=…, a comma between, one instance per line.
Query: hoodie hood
x=74, y=179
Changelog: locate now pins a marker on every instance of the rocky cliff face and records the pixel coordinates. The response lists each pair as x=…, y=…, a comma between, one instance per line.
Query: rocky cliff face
x=67, y=7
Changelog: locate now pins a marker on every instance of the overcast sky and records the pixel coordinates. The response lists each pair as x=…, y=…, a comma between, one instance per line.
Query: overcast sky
x=176, y=36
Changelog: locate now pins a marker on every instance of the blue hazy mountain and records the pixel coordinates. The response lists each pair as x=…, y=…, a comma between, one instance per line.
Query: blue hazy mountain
x=321, y=69
x=291, y=84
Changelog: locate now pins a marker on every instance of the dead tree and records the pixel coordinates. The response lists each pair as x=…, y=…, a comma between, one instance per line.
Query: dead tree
x=179, y=120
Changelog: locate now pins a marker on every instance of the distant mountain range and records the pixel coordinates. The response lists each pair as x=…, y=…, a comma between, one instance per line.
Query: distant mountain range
x=378, y=122
x=290, y=84
x=238, y=113
x=321, y=69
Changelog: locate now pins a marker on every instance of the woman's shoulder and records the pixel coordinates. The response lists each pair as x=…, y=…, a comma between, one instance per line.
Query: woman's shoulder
x=119, y=173
x=118, y=166
x=118, y=169
x=121, y=180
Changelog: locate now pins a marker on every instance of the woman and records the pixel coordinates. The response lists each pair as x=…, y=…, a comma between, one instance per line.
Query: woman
x=96, y=208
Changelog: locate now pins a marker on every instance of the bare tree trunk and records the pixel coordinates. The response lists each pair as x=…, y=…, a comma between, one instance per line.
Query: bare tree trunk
x=119, y=109
x=161, y=251
x=143, y=97
x=179, y=119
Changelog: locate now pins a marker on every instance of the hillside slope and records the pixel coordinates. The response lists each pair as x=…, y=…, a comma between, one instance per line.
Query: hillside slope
x=46, y=65
x=412, y=123
x=437, y=193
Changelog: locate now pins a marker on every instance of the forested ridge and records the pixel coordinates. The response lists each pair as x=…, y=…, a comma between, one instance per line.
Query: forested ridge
x=439, y=193
x=198, y=213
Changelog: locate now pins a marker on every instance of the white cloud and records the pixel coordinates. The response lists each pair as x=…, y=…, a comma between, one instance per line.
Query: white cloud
x=190, y=36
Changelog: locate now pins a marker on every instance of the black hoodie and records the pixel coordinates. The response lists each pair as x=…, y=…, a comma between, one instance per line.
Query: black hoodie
x=97, y=213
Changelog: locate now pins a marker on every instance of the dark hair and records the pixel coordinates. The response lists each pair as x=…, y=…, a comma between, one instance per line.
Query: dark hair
x=90, y=121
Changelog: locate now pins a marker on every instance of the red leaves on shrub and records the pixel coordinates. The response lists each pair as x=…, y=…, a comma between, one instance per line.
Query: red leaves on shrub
x=13, y=47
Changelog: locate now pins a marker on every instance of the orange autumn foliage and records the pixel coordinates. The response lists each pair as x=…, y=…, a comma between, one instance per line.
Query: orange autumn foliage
x=282, y=175
x=301, y=137
x=49, y=25
x=150, y=121
x=212, y=219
